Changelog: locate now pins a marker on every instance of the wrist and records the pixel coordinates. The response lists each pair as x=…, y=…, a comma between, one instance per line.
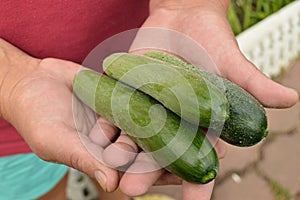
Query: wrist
x=15, y=65
x=217, y=5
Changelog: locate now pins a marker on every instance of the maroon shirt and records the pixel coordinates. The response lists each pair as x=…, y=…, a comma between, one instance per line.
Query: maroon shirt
x=62, y=29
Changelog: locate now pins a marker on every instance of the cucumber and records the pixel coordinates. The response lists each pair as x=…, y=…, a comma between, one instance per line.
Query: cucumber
x=247, y=122
x=187, y=94
x=177, y=145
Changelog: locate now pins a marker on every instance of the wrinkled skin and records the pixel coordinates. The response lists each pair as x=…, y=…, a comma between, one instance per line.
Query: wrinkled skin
x=36, y=98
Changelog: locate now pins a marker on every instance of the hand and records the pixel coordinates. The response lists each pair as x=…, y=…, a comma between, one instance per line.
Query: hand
x=206, y=23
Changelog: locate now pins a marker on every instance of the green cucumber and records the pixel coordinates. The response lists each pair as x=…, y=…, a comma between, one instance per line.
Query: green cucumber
x=177, y=145
x=247, y=122
x=187, y=94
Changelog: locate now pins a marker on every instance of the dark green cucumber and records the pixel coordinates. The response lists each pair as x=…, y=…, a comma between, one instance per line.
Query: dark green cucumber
x=175, y=144
x=187, y=94
x=247, y=122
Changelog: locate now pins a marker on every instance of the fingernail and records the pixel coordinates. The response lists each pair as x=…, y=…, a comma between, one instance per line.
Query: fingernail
x=101, y=178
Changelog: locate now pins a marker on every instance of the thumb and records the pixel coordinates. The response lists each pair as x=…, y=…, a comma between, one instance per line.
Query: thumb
x=267, y=91
x=72, y=151
x=64, y=143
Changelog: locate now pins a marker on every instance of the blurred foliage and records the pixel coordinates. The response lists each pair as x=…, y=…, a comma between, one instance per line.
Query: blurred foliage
x=242, y=14
x=280, y=193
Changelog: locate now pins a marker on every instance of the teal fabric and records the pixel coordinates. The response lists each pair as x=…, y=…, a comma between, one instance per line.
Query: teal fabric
x=27, y=177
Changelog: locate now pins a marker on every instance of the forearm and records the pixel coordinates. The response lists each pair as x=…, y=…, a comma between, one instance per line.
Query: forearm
x=14, y=65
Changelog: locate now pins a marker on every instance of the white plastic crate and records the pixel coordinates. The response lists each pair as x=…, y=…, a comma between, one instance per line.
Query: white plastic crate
x=80, y=187
x=274, y=43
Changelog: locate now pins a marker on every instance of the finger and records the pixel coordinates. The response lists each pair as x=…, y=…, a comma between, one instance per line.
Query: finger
x=94, y=132
x=71, y=150
x=191, y=191
x=221, y=148
x=103, y=132
x=89, y=160
x=168, y=178
x=140, y=176
x=233, y=65
x=268, y=92
x=100, y=136
x=219, y=145
x=70, y=145
x=120, y=153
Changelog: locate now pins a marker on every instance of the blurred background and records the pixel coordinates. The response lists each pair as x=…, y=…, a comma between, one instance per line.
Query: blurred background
x=268, y=33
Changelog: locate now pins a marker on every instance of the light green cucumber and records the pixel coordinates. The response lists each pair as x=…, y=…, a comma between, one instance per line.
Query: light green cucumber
x=175, y=144
x=187, y=94
x=247, y=122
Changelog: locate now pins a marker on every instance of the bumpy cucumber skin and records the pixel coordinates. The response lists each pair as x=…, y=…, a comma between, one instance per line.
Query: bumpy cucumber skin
x=247, y=122
x=96, y=91
x=200, y=102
